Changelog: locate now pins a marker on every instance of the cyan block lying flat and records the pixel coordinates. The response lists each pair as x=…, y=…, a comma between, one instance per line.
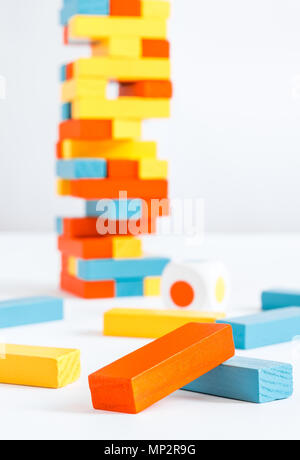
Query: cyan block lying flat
x=246, y=379
x=110, y=269
x=81, y=169
x=280, y=299
x=66, y=111
x=266, y=328
x=115, y=209
x=63, y=72
x=59, y=225
x=99, y=7
x=34, y=310
x=130, y=288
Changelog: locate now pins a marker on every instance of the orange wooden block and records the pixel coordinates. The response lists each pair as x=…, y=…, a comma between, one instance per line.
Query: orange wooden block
x=150, y=88
x=70, y=71
x=66, y=35
x=93, y=189
x=86, y=227
x=87, y=289
x=151, y=373
x=156, y=48
x=122, y=169
x=88, y=130
x=125, y=8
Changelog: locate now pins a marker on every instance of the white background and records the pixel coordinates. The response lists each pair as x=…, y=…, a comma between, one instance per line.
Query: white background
x=234, y=136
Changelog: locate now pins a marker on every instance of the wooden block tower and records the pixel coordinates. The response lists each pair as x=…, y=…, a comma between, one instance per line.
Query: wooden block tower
x=100, y=155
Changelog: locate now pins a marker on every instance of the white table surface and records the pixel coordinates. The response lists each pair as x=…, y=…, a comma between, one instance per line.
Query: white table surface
x=29, y=266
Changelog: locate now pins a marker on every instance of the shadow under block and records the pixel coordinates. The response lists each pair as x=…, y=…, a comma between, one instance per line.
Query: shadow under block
x=82, y=169
x=21, y=312
x=153, y=372
x=129, y=150
x=152, y=286
x=124, y=107
x=121, y=69
x=109, y=269
x=267, y=328
x=39, y=366
x=95, y=28
x=94, y=189
x=247, y=379
x=87, y=290
x=122, y=322
x=272, y=300
x=107, y=247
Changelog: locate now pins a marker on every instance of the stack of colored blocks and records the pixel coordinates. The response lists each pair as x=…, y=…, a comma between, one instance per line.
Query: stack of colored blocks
x=100, y=155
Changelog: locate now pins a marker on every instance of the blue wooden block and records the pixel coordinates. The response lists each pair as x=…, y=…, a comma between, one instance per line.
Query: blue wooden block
x=59, y=225
x=63, y=72
x=130, y=288
x=266, y=328
x=110, y=269
x=35, y=310
x=82, y=169
x=280, y=299
x=246, y=379
x=115, y=209
x=66, y=111
x=91, y=7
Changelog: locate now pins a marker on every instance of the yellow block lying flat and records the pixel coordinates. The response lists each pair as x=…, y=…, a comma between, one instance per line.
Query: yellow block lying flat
x=151, y=324
x=118, y=47
x=63, y=187
x=72, y=89
x=123, y=107
x=109, y=150
x=122, y=69
x=153, y=169
x=127, y=248
x=39, y=366
x=72, y=266
x=152, y=286
x=156, y=9
x=127, y=129
x=95, y=28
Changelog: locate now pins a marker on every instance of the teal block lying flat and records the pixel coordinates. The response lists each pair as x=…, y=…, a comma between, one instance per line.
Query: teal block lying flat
x=66, y=111
x=246, y=379
x=63, y=72
x=34, y=310
x=81, y=169
x=130, y=288
x=266, y=328
x=111, y=269
x=115, y=209
x=280, y=299
x=59, y=225
x=72, y=7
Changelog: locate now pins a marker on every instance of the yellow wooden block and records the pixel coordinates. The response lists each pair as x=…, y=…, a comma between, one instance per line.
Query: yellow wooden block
x=109, y=150
x=122, y=69
x=63, y=187
x=39, y=366
x=95, y=28
x=153, y=169
x=152, y=286
x=80, y=88
x=127, y=248
x=156, y=9
x=123, y=107
x=72, y=266
x=127, y=129
x=152, y=323
x=118, y=47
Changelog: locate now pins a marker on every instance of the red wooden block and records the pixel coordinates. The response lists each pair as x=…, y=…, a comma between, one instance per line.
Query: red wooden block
x=93, y=189
x=150, y=88
x=151, y=373
x=87, y=130
x=87, y=248
x=125, y=8
x=70, y=71
x=87, y=289
x=122, y=169
x=156, y=48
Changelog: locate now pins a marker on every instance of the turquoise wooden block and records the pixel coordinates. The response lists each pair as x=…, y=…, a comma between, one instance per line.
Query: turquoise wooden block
x=130, y=288
x=59, y=225
x=63, y=72
x=21, y=312
x=91, y=7
x=266, y=328
x=247, y=379
x=110, y=269
x=66, y=111
x=81, y=169
x=280, y=299
x=115, y=209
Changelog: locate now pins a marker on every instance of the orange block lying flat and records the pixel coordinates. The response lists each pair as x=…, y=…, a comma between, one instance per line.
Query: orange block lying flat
x=125, y=8
x=156, y=48
x=147, y=88
x=122, y=169
x=151, y=373
x=89, y=130
x=87, y=289
x=93, y=189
